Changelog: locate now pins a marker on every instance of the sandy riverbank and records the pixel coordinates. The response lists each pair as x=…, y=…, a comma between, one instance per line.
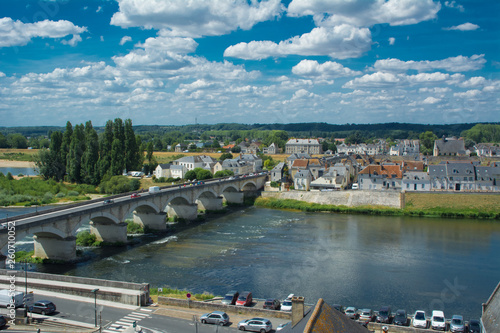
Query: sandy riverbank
x=16, y=164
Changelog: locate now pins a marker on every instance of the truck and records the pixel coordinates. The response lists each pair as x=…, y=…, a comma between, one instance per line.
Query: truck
x=154, y=189
x=8, y=297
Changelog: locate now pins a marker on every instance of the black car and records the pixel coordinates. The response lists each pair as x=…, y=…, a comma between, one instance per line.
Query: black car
x=384, y=315
x=400, y=318
x=107, y=202
x=474, y=326
x=43, y=307
x=3, y=322
x=272, y=304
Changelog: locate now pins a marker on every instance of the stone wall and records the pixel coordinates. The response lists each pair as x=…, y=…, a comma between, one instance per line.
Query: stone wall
x=351, y=198
x=491, y=311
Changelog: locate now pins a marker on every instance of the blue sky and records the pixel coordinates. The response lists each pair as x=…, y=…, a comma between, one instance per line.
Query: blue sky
x=169, y=62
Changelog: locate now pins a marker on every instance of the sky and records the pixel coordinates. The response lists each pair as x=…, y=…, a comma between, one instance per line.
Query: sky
x=177, y=62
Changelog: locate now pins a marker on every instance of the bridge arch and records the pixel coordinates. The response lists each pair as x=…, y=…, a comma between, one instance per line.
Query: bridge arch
x=209, y=200
x=249, y=186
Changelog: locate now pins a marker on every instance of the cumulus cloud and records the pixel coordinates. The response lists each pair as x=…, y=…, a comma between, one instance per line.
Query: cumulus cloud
x=464, y=27
x=378, y=79
x=17, y=33
x=453, y=4
x=468, y=94
x=125, y=39
x=99, y=9
x=199, y=18
x=364, y=13
x=327, y=70
x=392, y=40
x=431, y=100
x=2, y=74
x=340, y=42
x=452, y=64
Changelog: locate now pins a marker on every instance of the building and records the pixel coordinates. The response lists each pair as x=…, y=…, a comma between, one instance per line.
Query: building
x=302, y=180
x=271, y=150
x=449, y=147
x=336, y=178
x=162, y=170
x=491, y=309
x=416, y=181
x=180, y=147
x=237, y=166
x=454, y=176
x=278, y=173
x=253, y=160
x=308, y=146
x=380, y=177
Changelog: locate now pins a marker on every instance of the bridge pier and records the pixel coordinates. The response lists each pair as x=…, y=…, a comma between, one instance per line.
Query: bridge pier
x=109, y=232
x=55, y=247
x=234, y=197
x=183, y=211
x=152, y=221
x=210, y=203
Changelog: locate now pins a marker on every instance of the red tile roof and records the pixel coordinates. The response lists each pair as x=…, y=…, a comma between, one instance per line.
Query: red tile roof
x=387, y=170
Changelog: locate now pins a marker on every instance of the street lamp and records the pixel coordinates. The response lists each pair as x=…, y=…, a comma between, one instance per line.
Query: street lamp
x=95, y=304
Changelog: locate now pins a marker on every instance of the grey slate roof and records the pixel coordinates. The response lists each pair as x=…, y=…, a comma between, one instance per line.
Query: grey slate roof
x=450, y=146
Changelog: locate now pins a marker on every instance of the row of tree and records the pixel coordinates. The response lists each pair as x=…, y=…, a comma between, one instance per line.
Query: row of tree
x=80, y=155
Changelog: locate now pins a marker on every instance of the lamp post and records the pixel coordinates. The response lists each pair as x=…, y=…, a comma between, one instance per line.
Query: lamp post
x=95, y=304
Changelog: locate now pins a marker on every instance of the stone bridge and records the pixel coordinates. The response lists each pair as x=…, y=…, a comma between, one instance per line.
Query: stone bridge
x=54, y=231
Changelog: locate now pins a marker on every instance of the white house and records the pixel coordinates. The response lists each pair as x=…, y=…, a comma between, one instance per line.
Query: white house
x=302, y=180
x=162, y=170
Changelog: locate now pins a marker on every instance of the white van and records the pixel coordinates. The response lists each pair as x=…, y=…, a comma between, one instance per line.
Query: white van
x=154, y=189
x=355, y=186
x=438, y=322
x=8, y=297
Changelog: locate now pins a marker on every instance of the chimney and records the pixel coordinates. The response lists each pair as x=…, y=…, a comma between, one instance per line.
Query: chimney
x=297, y=309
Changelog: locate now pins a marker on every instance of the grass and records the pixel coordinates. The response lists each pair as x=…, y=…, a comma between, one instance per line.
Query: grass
x=180, y=294
x=457, y=201
x=17, y=154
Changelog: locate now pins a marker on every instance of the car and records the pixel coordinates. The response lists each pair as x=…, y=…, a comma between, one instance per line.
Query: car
x=272, y=304
x=216, y=317
x=366, y=315
x=3, y=321
x=135, y=195
x=230, y=298
x=384, y=315
x=255, y=325
x=338, y=307
x=419, y=319
x=351, y=312
x=400, y=318
x=245, y=299
x=43, y=307
x=438, y=321
x=457, y=324
x=355, y=186
x=286, y=305
x=107, y=202
x=474, y=326
x=282, y=326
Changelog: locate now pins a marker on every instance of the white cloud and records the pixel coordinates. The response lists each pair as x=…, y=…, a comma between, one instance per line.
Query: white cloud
x=468, y=94
x=340, y=42
x=392, y=40
x=363, y=13
x=99, y=9
x=125, y=39
x=327, y=70
x=17, y=33
x=378, y=79
x=464, y=27
x=2, y=74
x=452, y=64
x=453, y=4
x=473, y=82
x=197, y=18
x=73, y=41
x=431, y=100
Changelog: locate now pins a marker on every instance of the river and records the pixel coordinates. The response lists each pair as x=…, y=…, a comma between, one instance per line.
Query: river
x=355, y=260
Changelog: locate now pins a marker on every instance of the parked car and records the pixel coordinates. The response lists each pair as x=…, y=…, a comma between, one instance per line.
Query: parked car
x=400, y=318
x=3, y=321
x=216, y=317
x=282, y=326
x=474, y=326
x=245, y=299
x=419, y=319
x=366, y=315
x=438, y=321
x=272, y=304
x=107, y=201
x=338, y=307
x=286, y=305
x=43, y=307
x=351, y=312
x=231, y=297
x=384, y=315
x=135, y=195
x=255, y=325
x=457, y=324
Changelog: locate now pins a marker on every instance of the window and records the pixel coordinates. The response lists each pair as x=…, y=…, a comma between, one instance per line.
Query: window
x=407, y=185
x=393, y=184
x=423, y=186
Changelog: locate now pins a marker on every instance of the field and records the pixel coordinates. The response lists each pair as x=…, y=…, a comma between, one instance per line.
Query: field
x=453, y=201
x=25, y=155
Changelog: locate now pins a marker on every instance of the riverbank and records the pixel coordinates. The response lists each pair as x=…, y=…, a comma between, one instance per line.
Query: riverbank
x=474, y=206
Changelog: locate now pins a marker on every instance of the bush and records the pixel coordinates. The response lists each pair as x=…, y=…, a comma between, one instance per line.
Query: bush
x=47, y=198
x=85, y=238
x=73, y=194
x=134, y=228
x=119, y=184
x=60, y=195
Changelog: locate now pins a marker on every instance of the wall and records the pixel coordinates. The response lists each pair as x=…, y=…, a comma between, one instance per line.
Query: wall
x=351, y=198
x=491, y=311
x=209, y=306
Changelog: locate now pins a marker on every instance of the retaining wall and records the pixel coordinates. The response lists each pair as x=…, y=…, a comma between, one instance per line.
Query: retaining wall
x=350, y=198
x=209, y=307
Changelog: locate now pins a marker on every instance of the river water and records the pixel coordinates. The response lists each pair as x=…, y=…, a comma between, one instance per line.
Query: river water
x=355, y=260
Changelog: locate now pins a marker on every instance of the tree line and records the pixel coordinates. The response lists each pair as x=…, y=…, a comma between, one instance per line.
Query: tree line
x=80, y=155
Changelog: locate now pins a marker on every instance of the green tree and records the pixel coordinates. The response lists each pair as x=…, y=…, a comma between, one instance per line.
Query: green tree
x=133, y=157
x=225, y=156
x=427, y=142
x=17, y=140
x=3, y=141
x=66, y=142
x=118, y=148
x=90, y=171
x=190, y=175
x=223, y=173
x=75, y=154
x=483, y=133
x=105, y=144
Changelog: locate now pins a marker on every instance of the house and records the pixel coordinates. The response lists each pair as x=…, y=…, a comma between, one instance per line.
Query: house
x=178, y=171
x=278, y=173
x=380, y=177
x=337, y=177
x=253, y=160
x=487, y=150
x=405, y=148
x=309, y=146
x=449, y=147
x=190, y=162
x=271, y=150
x=180, y=147
x=162, y=170
x=416, y=181
x=412, y=166
x=320, y=318
x=455, y=176
x=297, y=165
x=488, y=178
x=315, y=167
x=294, y=156
x=237, y=166
x=302, y=180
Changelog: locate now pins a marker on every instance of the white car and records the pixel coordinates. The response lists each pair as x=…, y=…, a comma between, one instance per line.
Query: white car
x=419, y=319
x=286, y=305
x=438, y=321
